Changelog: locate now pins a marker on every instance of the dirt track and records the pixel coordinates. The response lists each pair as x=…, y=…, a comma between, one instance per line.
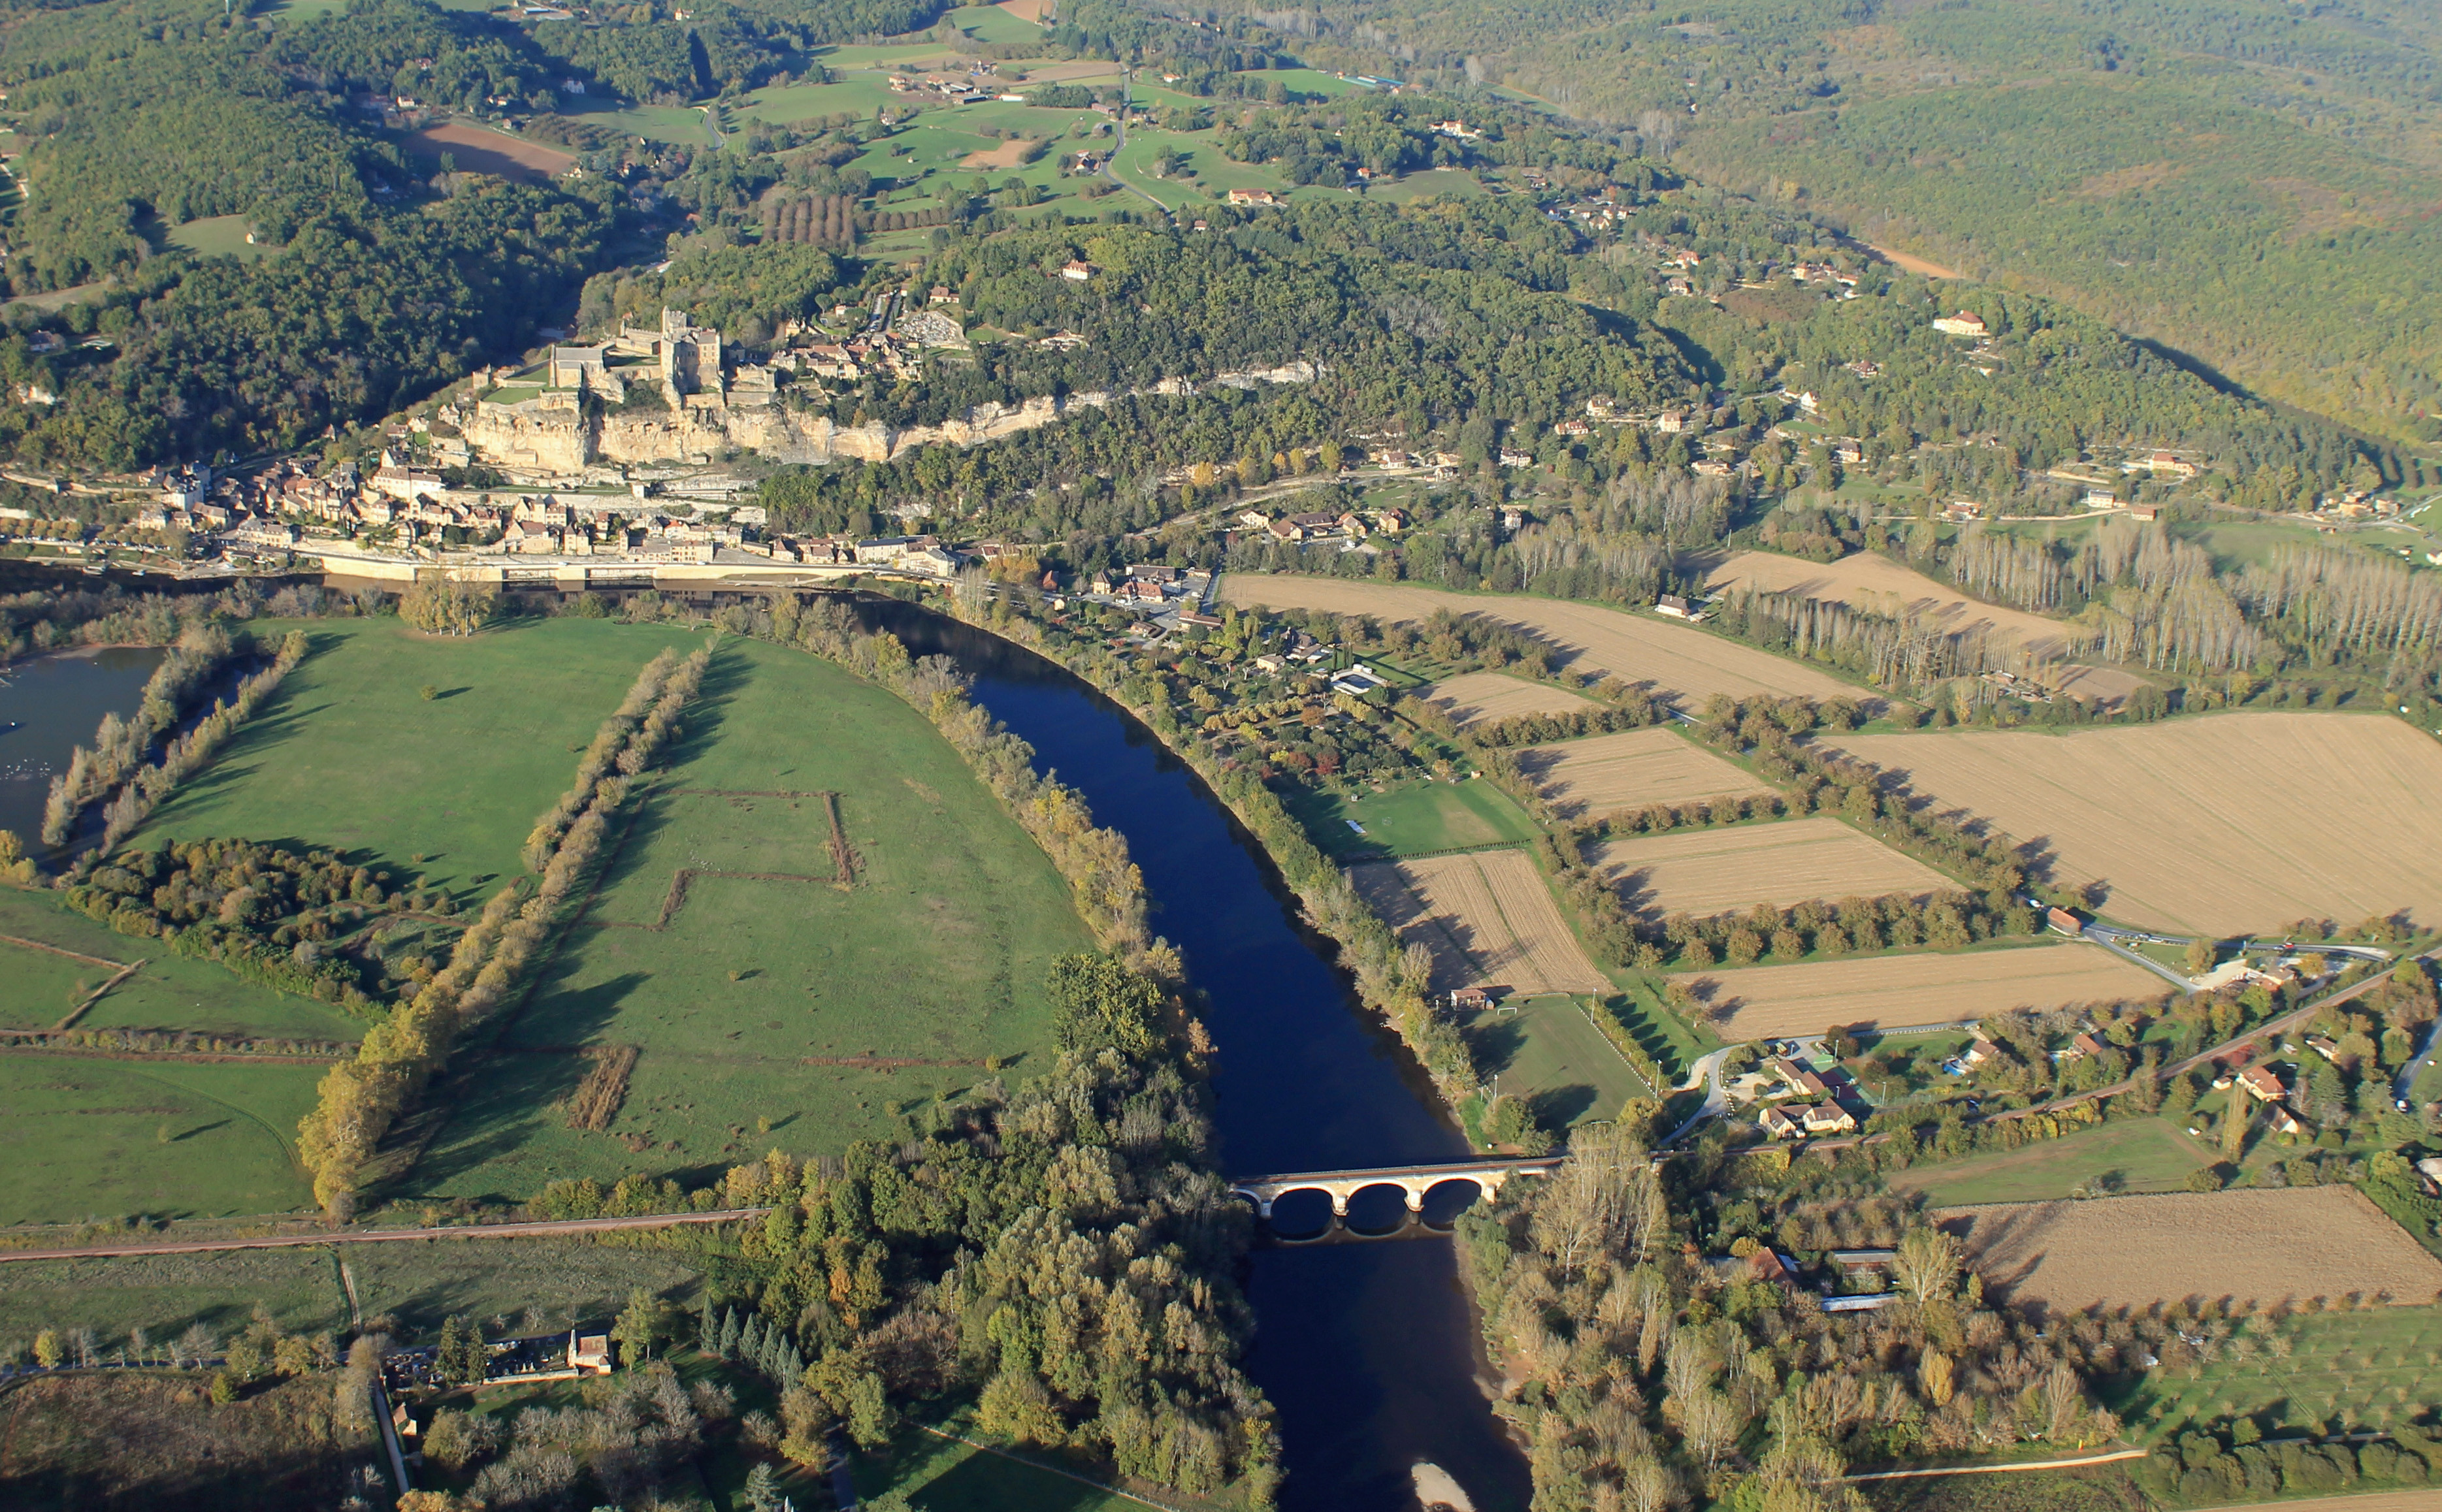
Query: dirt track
x=2235, y=822
x=1638, y=648
x=2258, y=1247
x=1895, y=991
x=1710, y=871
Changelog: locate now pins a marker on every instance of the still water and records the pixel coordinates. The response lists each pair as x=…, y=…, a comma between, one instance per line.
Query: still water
x=1369, y=1350
x=49, y=705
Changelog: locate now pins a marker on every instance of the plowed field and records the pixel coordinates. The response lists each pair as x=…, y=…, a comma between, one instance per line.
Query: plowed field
x=1488, y=918
x=1710, y=871
x=1485, y=697
x=1758, y=1002
x=2237, y=822
x=1657, y=653
x=1613, y=774
x=2259, y=1246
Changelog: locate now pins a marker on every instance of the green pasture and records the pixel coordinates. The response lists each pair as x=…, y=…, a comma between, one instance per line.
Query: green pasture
x=164, y=1295
x=677, y=125
x=1674, y=1043
x=1547, y=1050
x=939, y=1474
x=2341, y=1371
x=1454, y=181
x=783, y=105
x=1306, y=81
x=936, y=956
x=516, y=1288
x=219, y=236
x=91, y=1137
x=992, y=24
x=1412, y=819
x=172, y=991
x=2147, y=1154
x=349, y=754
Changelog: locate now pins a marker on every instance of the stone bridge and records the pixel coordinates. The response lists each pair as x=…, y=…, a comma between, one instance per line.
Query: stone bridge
x=1415, y=1180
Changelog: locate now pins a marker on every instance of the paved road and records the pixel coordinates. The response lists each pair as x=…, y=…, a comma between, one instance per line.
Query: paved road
x=557, y=1228
x=1717, y=1102
x=1111, y=164
x=2403, y=1086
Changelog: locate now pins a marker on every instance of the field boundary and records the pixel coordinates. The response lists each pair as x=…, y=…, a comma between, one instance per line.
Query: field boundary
x=36, y=944
x=550, y=1229
x=97, y=995
x=1996, y=1470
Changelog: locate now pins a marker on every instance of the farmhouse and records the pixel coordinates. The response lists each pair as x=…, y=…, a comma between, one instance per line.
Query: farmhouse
x=1676, y=607
x=1963, y=323
x=1253, y=196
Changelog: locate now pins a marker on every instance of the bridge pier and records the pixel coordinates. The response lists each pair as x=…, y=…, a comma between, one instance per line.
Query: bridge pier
x=1488, y=1177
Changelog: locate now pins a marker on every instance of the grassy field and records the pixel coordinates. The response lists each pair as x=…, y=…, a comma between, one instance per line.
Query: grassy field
x=218, y=236
x=2341, y=1370
x=944, y=1475
x=88, y=1136
x=515, y=1286
x=1551, y=1053
x=165, y=1294
x=350, y=756
x=1412, y=819
x=125, y=1439
x=171, y=992
x=770, y=1004
x=2146, y=1155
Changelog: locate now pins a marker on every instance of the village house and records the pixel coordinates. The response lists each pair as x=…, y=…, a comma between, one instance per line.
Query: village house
x=2262, y=1083
x=1076, y=271
x=1798, y=1080
x=1671, y=422
x=2284, y=1121
x=1253, y=196
x=1512, y=457
x=1676, y=607
x=1963, y=323
x=1848, y=453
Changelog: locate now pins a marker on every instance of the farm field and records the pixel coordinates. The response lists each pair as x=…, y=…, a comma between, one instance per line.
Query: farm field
x=1630, y=769
x=1412, y=819
x=1486, y=917
x=1892, y=991
x=1550, y=1053
x=169, y=992
x=755, y=987
x=164, y=1295
x=529, y=1286
x=348, y=754
x=478, y=150
x=1870, y=581
x=2256, y=1246
x=92, y=1137
x=1661, y=654
x=2204, y=825
x=2146, y=1155
x=2368, y=1369
x=1487, y=698
x=1704, y=872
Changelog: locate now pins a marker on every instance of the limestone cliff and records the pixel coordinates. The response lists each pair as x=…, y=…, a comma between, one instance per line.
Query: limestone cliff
x=528, y=436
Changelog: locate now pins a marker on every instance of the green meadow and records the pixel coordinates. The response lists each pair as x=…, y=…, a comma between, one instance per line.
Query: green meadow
x=350, y=754
x=1548, y=1052
x=771, y=1003
x=2319, y=1371
x=2142, y=1155
x=169, y=992
x=164, y=1295
x=1412, y=819
x=90, y=1136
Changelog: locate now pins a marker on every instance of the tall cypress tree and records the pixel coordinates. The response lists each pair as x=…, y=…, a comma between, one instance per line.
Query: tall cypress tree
x=729, y=1333
x=750, y=1343
x=707, y=1332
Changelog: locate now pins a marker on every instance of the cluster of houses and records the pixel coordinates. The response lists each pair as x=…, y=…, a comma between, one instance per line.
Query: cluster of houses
x=1799, y=1103
x=1348, y=524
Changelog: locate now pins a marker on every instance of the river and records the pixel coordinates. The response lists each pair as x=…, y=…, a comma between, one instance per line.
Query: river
x=48, y=706
x=1369, y=1350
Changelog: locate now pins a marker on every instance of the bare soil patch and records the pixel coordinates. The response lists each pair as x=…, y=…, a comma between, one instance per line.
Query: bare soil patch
x=1024, y=9
x=1890, y=992
x=1010, y=154
x=477, y=151
x=1488, y=918
x=2252, y=1247
x=1658, y=654
x=1631, y=769
x=1922, y=267
x=1876, y=584
x=2235, y=822
x=1487, y=698
x=1711, y=871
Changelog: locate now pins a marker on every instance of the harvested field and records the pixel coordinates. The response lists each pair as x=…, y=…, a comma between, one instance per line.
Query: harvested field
x=1488, y=918
x=1487, y=698
x=477, y=151
x=1024, y=9
x=1869, y=581
x=2218, y=825
x=2254, y=1247
x=1612, y=774
x=1757, y=1002
x=1659, y=654
x=1711, y=871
